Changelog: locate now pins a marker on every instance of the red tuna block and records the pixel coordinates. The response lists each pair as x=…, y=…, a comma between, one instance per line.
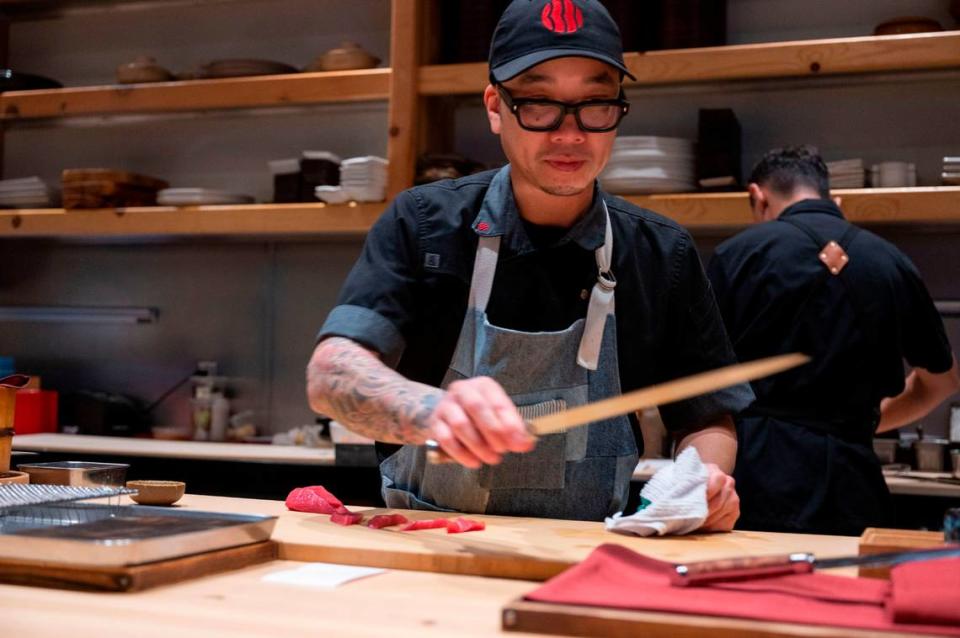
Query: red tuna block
x=313, y=499
x=386, y=520
x=435, y=523
x=460, y=524
x=343, y=516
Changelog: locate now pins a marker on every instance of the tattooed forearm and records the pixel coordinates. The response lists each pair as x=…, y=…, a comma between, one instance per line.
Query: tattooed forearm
x=349, y=383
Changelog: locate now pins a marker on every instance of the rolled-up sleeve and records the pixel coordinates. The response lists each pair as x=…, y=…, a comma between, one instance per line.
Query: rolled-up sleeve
x=699, y=343
x=376, y=302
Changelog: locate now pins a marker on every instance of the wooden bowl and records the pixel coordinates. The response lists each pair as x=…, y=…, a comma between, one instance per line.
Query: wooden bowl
x=907, y=24
x=157, y=492
x=14, y=477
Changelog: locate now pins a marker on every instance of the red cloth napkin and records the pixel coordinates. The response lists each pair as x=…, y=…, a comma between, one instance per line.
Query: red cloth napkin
x=614, y=576
x=926, y=592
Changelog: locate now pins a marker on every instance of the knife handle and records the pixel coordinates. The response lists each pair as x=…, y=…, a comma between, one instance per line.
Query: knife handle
x=747, y=567
x=436, y=455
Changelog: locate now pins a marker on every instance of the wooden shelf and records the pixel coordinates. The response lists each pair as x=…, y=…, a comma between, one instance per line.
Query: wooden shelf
x=934, y=205
x=237, y=221
x=803, y=58
x=197, y=95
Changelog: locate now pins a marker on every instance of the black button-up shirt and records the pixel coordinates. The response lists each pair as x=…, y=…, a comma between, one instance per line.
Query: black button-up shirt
x=406, y=297
x=776, y=296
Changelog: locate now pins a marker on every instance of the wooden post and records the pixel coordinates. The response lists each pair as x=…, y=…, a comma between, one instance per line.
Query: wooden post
x=405, y=48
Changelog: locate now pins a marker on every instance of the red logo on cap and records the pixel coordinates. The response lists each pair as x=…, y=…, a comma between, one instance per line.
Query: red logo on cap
x=562, y=16
x=483, y=227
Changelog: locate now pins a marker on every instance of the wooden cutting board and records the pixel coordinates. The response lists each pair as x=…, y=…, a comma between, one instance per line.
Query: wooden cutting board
x=572, y=620
x=524, y=548
x=135, y=577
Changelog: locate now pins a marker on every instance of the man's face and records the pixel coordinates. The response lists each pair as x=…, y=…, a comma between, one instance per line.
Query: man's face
x=563, y=162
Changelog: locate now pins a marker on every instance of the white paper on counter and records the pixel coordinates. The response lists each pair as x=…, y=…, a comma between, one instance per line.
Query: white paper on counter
x=321, y=575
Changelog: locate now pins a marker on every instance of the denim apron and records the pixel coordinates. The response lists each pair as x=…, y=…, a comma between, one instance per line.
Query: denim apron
x=583, y=473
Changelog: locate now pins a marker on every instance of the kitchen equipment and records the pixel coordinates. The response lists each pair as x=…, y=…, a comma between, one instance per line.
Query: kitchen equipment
x=955, y=463
x=893, y=175
x=106, y=188
x=11, y=80
x=81, y=473
x=951, y=525
x=7, y=478
x=704, y=572
x=651, y=396
x=907, y=24
x=231, y=68
x=36, y=411
x=142, y=69
x=930, y=453
x=349, y=55
x=157, y=492
x=9, y=385
x=886, y=450
x=49, y=536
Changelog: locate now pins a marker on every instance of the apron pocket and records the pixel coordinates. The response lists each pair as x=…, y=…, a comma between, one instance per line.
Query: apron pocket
x=544, y=468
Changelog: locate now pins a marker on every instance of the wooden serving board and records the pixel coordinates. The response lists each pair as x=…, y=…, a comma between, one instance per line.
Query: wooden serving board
x=574, y=620
x=524, y=548
x=135, y=577
x=877, y=540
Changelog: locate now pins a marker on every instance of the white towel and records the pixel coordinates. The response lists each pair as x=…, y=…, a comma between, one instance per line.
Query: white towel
x=674, y=500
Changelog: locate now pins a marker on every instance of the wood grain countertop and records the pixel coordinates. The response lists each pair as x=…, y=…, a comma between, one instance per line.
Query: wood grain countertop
x=403, y=603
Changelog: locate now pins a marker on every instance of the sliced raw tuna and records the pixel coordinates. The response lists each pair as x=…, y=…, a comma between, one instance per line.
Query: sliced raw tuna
x=343, y=516
x=460, y=524
x=313, y=499
x=386, y=520
x=436, y=523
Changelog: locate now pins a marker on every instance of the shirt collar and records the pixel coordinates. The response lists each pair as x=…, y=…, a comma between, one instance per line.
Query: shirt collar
x=825, y=206
x=499, y=216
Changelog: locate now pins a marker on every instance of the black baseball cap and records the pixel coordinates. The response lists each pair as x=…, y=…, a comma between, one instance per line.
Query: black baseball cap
x=533, y=31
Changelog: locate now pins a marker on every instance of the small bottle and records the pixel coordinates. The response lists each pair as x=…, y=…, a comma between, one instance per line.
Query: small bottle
x=219, y=417
x=955, y=422
x=202, y=412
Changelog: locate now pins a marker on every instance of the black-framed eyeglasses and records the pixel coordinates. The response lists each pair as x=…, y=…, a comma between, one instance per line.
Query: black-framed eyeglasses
x=592, y=116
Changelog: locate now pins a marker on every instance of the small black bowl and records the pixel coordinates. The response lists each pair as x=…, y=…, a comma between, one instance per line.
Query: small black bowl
x=15, y=81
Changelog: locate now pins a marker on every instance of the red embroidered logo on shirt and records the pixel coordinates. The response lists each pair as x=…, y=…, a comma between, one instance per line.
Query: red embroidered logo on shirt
x=483, y=227
x=562, y=16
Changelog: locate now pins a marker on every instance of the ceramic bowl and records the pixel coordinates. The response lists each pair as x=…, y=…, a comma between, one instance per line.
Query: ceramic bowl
x=348, y=55
x=157, y=492
x=142, y=69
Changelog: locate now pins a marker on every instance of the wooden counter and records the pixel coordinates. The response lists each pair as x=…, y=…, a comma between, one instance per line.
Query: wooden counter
x=202, y=450
x=396, y=603
x=239, y=604
x=510, y=547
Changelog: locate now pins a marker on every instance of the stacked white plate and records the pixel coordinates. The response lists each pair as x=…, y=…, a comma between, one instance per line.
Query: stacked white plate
x=199, y=197
x=650, y=164
x=364, y=179
x=27, y=192
x=951, y=171
x=846, y=173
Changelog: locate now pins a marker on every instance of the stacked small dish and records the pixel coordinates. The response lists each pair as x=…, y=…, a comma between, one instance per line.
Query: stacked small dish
x=847, y=173
x=27, y=192
x=364, y=179
x=200, y=197
x=650, y=164
x=951, y=171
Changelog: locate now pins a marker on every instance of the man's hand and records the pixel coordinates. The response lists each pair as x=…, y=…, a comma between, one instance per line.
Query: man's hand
x=723, y=503
x=476, y=422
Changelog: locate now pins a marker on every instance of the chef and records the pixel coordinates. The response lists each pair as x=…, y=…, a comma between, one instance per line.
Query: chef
x=804, y=279
x=525, y=285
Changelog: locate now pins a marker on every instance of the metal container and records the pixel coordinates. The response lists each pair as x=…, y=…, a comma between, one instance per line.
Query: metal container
x=955, y=463
x=80, y=473
x=886, y=450
x=930, y=453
